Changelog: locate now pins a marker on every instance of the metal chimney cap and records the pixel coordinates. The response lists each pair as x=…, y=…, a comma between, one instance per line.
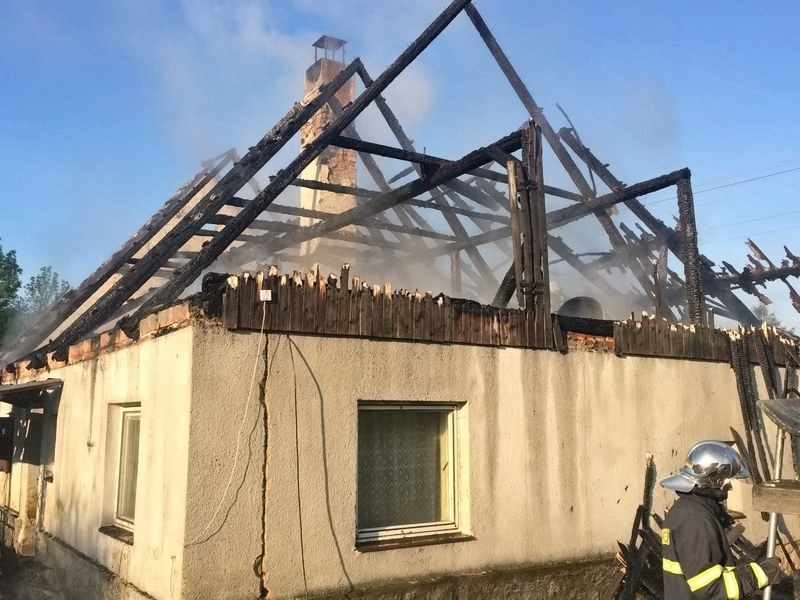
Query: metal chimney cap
x=327, y=42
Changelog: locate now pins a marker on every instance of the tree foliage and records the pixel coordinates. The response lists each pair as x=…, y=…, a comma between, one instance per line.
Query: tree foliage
x=20, y=306
x=42, y=290
x=764, y=314
x=10, y=273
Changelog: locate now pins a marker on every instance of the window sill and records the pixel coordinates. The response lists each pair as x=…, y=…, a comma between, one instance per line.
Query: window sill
x=410, y=542
x=118, y=533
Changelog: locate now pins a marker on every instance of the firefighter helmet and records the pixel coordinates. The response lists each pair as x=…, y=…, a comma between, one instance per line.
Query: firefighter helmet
x=709, y=465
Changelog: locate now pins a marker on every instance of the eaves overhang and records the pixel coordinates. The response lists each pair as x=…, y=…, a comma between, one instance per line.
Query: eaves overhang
x=32, y=394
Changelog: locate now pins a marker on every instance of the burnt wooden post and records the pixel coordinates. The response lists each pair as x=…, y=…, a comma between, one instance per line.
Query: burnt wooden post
x=516, y=233
x=689, y=252
x=715, y=285
x=525, y=282
x=539, y=270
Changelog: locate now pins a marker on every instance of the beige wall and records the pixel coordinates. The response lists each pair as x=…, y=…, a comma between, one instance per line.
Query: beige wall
x=225, y=495
x=200, y=479
x=553, y=448
x=551, y=456
x=156, y=373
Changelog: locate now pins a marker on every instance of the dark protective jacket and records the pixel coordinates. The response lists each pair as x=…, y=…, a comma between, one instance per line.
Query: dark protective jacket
x=698, y=563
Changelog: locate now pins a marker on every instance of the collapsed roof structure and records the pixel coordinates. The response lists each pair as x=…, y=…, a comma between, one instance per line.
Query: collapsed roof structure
x=486, y=225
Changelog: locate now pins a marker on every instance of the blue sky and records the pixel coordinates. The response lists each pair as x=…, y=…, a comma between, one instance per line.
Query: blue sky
x=108, y=107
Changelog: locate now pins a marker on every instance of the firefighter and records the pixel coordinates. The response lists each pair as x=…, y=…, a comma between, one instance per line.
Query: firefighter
x=698, y=563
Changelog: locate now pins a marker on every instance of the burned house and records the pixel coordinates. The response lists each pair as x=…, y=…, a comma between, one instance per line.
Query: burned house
x=237, y=404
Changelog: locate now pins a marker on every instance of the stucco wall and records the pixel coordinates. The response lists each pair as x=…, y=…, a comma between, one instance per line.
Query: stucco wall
x=156, y=373
x=225, y=495
x=553, y=452
x=551, y=461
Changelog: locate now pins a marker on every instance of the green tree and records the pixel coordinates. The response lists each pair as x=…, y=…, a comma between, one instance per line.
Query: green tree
x=41, y=291
x=10, y=273
x=764, y=314
x=38, y=294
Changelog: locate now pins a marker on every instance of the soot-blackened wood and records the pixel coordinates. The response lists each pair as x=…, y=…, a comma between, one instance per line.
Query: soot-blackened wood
x=75, y=298
x=540, y=261
x=283, y=303
x=212, y=293
x=536, y=113
x=525, y=286
x=343, y=311
x=689, y=253
x=751, y=276
x=216, y=246
x=333, y=296
x=516, y=229
x=371, y=165
x=458, y=210
x=407, y=145
x=312, y=184
x=586, y=326
x=272, y=285
x=710, y=281
x=224, y=189
x=230, y=308
x=562, y=216
x=426, y=166
x=389, y=303
x=385, y=201
x=352, y=143
x=548, y=132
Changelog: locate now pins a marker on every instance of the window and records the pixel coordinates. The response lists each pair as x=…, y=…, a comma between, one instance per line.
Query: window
x=128, y=467
x=406, y=471
x=121, y=470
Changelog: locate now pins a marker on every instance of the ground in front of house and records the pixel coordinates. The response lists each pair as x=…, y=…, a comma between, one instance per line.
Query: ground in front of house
x=24, y=578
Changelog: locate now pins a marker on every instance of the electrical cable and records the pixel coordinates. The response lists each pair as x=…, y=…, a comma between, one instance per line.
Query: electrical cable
x=297, y=471
x=726, y=185
x=241, y=427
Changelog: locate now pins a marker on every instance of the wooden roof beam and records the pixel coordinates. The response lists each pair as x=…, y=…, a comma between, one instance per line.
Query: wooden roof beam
x=214, y=248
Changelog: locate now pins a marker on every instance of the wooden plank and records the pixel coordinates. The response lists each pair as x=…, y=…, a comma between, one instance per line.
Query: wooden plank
x=516, y=239
x=366, y=311
x=782, y=497
x=259, y=306
x=411, y=311
x=309, y=304
x=272, y=284
x=540, y=269
x=425, y=324
x=246, y=300
x=417, y=317
x=377, y=308
x=438, y=311
x=230, y=306
x=343, y=319
x=316, y=289
x=390, y=301
x=295, y=289
x=333, y=296
x=502, y=327
x=355, y=310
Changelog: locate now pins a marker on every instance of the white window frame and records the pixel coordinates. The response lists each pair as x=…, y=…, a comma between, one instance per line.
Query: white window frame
x=449, y=483
x=126, y=413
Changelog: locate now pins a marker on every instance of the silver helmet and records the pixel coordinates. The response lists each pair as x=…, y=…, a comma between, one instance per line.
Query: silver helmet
x=709, y=465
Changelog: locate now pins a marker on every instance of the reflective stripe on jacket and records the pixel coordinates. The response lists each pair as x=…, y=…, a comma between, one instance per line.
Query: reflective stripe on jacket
x=698, y=563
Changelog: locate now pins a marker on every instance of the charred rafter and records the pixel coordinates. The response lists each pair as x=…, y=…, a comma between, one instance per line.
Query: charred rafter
x=459, y=209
